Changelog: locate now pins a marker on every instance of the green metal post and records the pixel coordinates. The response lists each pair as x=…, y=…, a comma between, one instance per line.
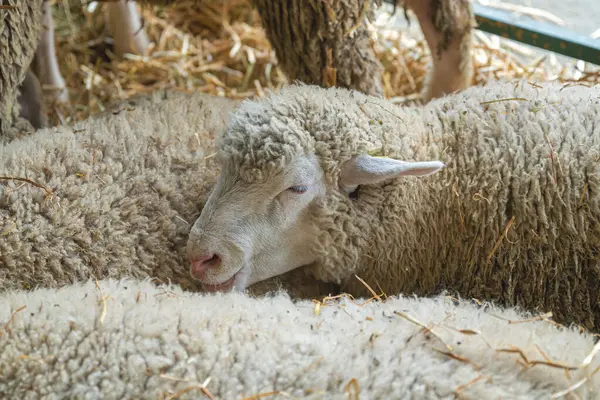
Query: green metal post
x=542, y=35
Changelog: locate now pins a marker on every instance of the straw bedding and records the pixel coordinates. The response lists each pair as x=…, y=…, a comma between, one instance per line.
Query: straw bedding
x=219, y=47
x=127, y=339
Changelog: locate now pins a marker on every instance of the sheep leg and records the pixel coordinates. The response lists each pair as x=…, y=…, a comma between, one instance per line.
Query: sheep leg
x=46, y=62
x=30, y=100
x=125, y=26
x=447, y=26
x=323, y=43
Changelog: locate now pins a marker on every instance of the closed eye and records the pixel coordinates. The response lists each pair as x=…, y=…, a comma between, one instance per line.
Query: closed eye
x=298, y=189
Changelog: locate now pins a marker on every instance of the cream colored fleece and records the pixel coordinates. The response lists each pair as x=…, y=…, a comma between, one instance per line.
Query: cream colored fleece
x=125, y=187
x=149, y=342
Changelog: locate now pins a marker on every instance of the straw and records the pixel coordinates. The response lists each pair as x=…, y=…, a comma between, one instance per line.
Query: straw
x=219, y=47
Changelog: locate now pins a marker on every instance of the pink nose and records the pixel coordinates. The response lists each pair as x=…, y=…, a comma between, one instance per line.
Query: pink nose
x=202, y=264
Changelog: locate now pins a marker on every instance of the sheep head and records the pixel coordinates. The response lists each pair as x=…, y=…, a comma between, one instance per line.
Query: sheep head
x=251, y=231
x=280, y=188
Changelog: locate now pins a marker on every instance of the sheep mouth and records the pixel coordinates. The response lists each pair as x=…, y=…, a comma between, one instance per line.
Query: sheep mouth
x=221, y=287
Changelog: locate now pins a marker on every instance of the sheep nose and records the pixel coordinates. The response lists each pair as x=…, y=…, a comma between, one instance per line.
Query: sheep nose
x=203, y=263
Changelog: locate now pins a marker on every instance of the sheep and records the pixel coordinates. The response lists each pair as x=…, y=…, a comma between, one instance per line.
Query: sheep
x=104, y=340
x=491, y=193
x=119, y=188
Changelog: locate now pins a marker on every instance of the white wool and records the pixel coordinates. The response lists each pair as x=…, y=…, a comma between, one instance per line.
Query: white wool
x=130, y=339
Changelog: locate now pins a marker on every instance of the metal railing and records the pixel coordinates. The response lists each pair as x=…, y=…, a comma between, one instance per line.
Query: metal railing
x=538, y=34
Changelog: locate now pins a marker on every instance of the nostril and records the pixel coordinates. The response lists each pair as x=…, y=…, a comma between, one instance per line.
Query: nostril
x=213, y=261
x=203, y=263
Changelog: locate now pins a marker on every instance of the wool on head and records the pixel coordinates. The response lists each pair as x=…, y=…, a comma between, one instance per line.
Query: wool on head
x=264, y=135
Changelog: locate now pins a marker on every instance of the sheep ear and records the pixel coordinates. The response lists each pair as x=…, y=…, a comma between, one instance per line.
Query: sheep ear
x=365, y=169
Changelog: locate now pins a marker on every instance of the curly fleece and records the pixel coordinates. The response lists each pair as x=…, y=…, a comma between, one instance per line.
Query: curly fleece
x=514, y=217
x=123, y=186
x=155, y=342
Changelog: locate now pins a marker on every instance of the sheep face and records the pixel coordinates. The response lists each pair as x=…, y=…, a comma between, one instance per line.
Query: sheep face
x=286, y=196
x=251, y=231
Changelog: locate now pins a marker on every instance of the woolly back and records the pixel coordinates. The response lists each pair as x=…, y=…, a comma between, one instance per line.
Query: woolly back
x=515, y=215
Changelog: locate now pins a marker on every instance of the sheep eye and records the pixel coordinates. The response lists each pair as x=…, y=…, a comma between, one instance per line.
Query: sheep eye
x=298, y=189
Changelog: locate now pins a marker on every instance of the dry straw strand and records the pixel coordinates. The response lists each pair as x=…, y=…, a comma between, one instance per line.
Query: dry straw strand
x=219, y=47
x=12, y=318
